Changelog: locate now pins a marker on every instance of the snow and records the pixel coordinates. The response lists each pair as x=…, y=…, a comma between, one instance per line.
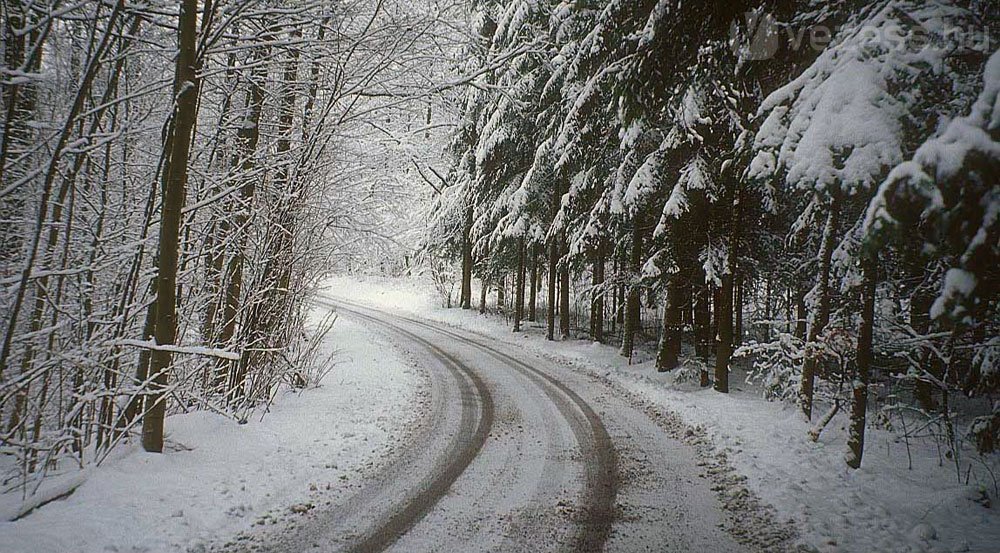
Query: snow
x=218, y=477
x=840, y=123
x=881, y=507
x=957, y=283
x=191, y=350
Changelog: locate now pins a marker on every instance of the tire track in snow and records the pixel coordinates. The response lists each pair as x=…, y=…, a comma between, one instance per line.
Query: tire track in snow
x=474, y=392
x=598, y=453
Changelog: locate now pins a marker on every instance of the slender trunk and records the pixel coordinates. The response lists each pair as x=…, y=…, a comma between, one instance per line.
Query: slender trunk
x=466, y=295
x=740, y=290
x=247, y=138
x=271, y=327
x=822, y=314
x=724, y=349
x=18, y=98
x=702, y=327
x=563, y=293
x=215, y=237
x=483, y=291
x=800, y=313
x=501, y=293
x=859, y=404
x=632, y=320
x=597, y=300
x=533, y=295
x=920, y=305
x=724, y=339
x=519, y=292
x=174, y=180
x=550, y=308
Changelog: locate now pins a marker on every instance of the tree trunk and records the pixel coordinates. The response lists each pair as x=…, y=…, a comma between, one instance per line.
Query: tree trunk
x=519, y=293
x=550, y=309
x=724, y=343
x=466, y=295
x=174, y=180
x=920, y=306
x=632, y=316
x=268, y=321
x=859, y=404
x=822, y=315
x=724, y=349
x=533, y=296
x=502, y=293
x=597, y=298
x=247, y=138
x=483, y=291
x=668, y=355
x=800, y=313
x=702, y=327
x=739, y=291
x=563, y=293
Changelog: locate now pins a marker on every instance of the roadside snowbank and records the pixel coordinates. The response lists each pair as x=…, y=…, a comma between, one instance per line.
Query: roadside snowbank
x=883, y=507
x=219, y=477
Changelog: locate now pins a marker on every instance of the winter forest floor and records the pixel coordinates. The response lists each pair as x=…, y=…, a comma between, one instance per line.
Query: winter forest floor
x=221, y=480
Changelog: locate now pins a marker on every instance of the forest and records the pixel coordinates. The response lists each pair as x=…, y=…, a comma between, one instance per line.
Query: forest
x=820, y=207
x=797, y=196
x=184, y=173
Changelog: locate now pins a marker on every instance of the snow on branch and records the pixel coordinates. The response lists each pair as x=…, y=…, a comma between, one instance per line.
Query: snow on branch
x=191, y=350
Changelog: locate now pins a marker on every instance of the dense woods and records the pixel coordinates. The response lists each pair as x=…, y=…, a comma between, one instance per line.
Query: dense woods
x=175, y=177
x=806, y=192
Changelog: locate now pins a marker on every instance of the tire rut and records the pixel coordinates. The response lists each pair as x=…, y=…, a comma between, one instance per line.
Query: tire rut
x=388, y=531
x=599, y=456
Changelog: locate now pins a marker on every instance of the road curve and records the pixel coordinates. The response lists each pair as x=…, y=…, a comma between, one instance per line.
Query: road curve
x=412, y=509
x=515, y=454
x=596, y=453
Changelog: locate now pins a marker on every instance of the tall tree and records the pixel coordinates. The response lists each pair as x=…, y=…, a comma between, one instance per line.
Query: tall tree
x=176, y=151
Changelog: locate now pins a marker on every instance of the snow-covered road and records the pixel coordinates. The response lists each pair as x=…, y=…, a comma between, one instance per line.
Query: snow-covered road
x=516, y=454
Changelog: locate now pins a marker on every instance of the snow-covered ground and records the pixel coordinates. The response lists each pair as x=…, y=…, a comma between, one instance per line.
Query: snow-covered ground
x=882, y=507
x=218, y=477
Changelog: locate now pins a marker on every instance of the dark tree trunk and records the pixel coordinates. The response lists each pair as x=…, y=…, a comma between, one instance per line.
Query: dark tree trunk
x=533, y=295
x=501, y=293
x=724, y=349
x=822, y=315
x=483, y=291
x=920, y=306
x=466, y=294
x=174, y=180
x=800, y=313
x=724, y=345
x=563, y=293
x=519, y=293
x=702, y=327
x=739, y=290
x=597, y=298
x=550, y=308
x=668, y=355
x=859, y=403
x=632, y=314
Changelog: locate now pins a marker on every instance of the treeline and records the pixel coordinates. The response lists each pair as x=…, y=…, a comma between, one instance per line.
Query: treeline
x=814, y=184
x=173, y=183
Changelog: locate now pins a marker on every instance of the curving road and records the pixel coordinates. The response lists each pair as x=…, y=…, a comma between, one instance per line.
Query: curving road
x=514, y=455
